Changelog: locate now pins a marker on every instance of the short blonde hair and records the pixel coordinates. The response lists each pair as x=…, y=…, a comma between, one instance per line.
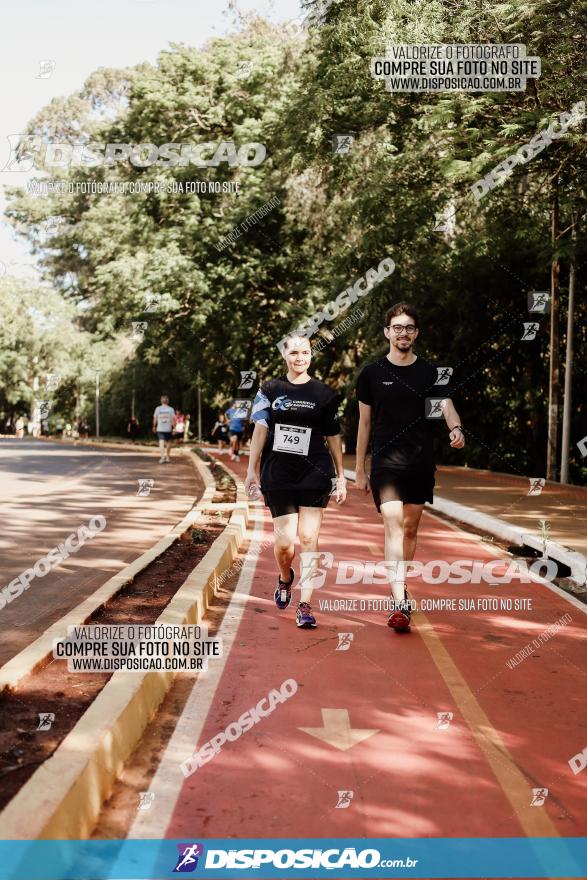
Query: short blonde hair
x=299, y=334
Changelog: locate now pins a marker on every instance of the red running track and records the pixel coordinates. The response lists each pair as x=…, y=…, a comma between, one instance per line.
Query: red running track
x=513, y=728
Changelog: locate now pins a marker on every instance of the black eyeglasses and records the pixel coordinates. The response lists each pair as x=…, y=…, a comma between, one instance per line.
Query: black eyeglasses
x=402, y=328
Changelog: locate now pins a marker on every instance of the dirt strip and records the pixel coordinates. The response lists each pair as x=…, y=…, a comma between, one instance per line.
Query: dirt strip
x=52, y=689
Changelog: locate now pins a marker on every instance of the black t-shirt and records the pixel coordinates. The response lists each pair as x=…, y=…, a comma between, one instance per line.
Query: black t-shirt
x=301, y=415
x=402, y=433
x=220, y=429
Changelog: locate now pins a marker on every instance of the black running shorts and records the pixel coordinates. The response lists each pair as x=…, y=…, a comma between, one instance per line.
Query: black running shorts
x=409, y=486
x=280, y=502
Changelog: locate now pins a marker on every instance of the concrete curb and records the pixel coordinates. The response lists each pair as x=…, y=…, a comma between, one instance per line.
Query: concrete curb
x=514, y=535
x=63, y=798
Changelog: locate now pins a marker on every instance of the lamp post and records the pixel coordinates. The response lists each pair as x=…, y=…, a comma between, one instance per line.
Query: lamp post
x=97, y=405
x=132, y=399
x=566, y=440
x=199, y=409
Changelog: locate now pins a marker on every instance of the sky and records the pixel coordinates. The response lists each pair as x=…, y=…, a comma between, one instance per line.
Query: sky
x=78, y=38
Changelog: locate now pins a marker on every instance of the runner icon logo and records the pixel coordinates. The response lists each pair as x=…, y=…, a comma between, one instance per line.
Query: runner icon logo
x=241, y=409
x=152, y=302
x=244, y=69
x=342, y=143
x=52, y=381
x=530, y=331
x=344, y=799
x=434, y=407
x=189, y=854
x=49, y=228
x=445, y=221
x=538, y=796
x=46, y=719
x=138, y=330
x=444, y=374
x=536, y=485
x=247, y=378
x=46, y=68
x=344, y=641
x=145, y=487
x=539, y=301
x=443, y=720
x=312, y=576
x=440, y=222
x=146, y=799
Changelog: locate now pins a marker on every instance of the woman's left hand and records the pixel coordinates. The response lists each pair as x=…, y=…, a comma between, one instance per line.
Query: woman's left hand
x=340, y=490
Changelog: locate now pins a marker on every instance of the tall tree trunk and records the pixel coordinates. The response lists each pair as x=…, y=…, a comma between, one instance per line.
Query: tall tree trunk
x=566, y=438
x=554, y=374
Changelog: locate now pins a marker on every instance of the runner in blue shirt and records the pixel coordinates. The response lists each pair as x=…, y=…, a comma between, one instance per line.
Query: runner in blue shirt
x=235, y=426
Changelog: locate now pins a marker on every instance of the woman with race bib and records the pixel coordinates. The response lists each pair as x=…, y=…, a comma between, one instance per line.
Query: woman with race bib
x=295, y=442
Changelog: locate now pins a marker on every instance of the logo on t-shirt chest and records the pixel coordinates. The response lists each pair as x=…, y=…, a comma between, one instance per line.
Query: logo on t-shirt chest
x=283, y=402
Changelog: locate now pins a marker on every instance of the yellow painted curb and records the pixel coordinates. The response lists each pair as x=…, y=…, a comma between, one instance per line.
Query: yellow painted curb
x=63, y=798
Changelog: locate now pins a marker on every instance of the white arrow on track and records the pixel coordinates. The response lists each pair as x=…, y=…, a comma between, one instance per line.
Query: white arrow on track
x=336, y=730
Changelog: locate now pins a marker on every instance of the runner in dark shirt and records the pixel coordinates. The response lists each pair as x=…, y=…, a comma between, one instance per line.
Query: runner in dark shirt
x=298, y=412
x=220, y=431
x=402, y=436
x=404, y=396
x=295, y=441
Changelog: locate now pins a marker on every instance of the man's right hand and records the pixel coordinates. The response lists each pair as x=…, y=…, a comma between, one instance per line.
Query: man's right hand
x=361, y=482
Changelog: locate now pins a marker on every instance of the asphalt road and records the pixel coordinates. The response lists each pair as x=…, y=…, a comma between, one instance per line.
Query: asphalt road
x=48, y=490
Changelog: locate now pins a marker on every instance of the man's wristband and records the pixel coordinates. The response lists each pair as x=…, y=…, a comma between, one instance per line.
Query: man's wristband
x=454, y=429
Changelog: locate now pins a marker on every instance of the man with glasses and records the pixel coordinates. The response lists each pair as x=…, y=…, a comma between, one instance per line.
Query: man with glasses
x=400, y=395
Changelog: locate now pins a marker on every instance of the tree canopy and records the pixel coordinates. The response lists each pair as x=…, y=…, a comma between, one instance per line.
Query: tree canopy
x=216, y=302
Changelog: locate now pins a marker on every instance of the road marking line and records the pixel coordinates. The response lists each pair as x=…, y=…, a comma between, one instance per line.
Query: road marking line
x=168, y=780
x=336, y=730
x=515, y=786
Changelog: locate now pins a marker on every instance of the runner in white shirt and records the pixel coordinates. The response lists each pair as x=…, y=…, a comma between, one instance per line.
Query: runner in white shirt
x=163, y=425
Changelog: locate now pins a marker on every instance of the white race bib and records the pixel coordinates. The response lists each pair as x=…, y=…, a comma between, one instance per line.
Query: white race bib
x=291, y=438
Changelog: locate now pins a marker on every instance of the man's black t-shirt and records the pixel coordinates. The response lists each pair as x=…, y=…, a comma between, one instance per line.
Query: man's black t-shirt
x=298, y=416
x=402, y=434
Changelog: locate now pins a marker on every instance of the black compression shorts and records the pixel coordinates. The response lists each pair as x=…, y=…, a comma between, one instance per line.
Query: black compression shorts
x=281, y=502
x=409, y=486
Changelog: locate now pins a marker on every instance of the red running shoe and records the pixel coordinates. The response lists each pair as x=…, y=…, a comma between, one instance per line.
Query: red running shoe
x=400, y=618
